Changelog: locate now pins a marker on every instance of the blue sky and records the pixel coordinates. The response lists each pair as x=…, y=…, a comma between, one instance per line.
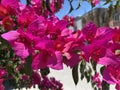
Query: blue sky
x=85, y=7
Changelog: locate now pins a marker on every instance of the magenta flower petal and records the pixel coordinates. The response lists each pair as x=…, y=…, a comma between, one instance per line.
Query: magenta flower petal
x=104, y=34
x=36, y=62
x=61, y=24
x=20, y=50
x=66, y=32
x=10, y=3
x=117, y=86
x=10, y=36
x=108, y=77
x=109, y=59
x=73, y=61
x=44, y=44
x=55, y=61
x=40, y=61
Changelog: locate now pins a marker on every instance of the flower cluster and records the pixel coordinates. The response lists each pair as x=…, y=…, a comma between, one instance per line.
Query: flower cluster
x=39, y=40
x=33, y=32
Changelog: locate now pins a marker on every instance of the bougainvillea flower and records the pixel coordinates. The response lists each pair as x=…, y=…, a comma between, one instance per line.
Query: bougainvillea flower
x=45, y=59
x=71, y=52
x=69, y=19
x=48, y=55
x=56, y=26
x=51, y=83
x=111, y=75
x=89, y=31
x=107, y=75
x=26, y=17
x=94, y=51
x=11, y=36
x=97, y=47
x=109, y=59
x=3, y=11
x=54, y=7
x=8, y=23
x=11, y=5
x=20, y=41
x=37, y=27
x=104, y=33
x=44, y=44
x=117, y=86
x=66, y=32
x=35, y=79
x=96, y=79
x=116, y=35
x=57, y=58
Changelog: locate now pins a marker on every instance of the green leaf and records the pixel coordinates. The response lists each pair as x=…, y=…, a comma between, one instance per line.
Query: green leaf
x=82, y=69
x=117, y=4
x=82, y=66
x=87, y=76
x=82, y=76
x=45, y=71
x=94, y=65
x=27, y=66
x=48, y=6
x=28, y=2
x=106, y=2
x=110, y=11
x=102, y=69
x=95, y=88
x=78, y=5
x=75, y=74
x=105, y=86
x=71, y=7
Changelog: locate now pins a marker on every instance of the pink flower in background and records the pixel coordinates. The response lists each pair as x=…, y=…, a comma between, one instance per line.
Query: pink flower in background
x=95, y=2
x=1, y=84
x=3, y=73
x=69, y=19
